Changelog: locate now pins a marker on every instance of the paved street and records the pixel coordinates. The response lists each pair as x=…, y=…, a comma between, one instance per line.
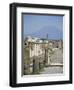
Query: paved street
x=57, y=57
x=52, y=70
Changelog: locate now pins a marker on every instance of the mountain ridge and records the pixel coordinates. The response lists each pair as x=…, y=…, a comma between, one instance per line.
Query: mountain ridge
x=52, y=32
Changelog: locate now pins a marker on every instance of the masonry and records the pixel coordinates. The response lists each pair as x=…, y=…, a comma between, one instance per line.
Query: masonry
x=38, y=54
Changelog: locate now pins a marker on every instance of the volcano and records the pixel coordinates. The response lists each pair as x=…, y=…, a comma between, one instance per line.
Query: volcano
x=52, y=32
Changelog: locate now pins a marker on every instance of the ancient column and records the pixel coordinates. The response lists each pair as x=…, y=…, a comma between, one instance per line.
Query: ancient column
x=26, y=61
x=35, y=66
x=41, y=63
x=46, y=57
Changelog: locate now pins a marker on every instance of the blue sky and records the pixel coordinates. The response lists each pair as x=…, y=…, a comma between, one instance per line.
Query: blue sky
x=40, y=25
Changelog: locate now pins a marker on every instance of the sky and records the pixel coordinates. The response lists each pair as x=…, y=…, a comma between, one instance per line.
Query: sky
x=41, y=25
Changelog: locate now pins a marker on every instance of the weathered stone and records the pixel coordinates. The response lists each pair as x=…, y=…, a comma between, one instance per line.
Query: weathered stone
x=46, y=57
x=35, y=66
x=41, y=66
x=26, y=69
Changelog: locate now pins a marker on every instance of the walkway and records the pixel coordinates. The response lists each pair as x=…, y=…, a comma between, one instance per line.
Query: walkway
x=56, y=58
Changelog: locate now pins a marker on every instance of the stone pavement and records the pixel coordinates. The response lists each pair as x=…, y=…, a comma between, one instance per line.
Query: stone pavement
x=52, y=70
x=57, y=57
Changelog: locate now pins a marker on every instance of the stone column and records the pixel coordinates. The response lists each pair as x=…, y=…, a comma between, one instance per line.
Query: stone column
x=26, y=61
x=41, y=63
x=35, y=66
x=46, y=57
x=26, y=68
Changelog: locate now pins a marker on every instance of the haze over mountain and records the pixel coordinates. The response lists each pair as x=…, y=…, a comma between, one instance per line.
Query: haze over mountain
x=52, y=32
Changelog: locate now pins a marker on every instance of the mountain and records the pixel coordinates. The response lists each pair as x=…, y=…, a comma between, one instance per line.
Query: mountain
x=52, y=32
